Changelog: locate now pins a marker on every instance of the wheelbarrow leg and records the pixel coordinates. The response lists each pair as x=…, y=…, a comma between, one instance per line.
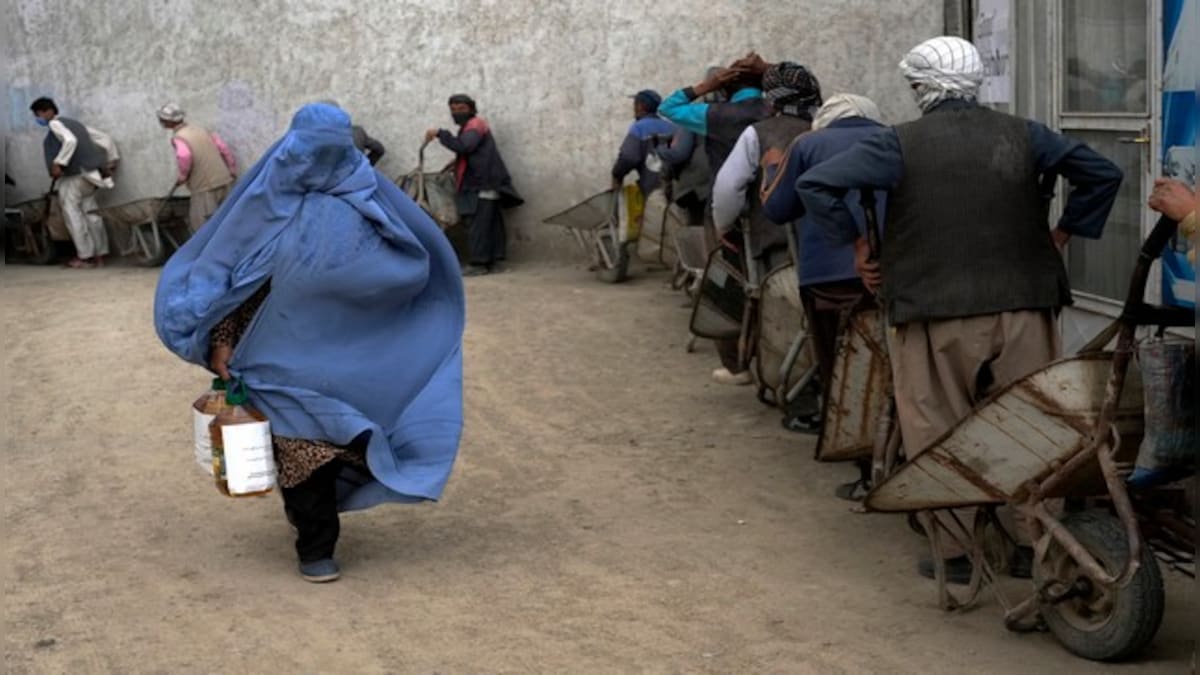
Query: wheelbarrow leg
x=949, y=524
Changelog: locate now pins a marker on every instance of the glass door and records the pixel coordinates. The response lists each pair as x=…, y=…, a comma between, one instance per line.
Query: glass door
x=1105, y=100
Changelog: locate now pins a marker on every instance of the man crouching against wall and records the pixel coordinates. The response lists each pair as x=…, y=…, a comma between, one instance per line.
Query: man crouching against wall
x=971, y=277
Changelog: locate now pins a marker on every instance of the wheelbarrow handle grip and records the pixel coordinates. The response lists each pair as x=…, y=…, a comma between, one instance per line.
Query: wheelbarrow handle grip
x=421, y=155
x=1159, y=237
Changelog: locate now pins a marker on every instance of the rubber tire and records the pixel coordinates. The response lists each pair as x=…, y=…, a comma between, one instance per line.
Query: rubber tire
x=619, y=272
x=1137, y=608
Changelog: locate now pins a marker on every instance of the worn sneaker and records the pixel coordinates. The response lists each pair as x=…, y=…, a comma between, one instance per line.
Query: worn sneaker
x=723, y=376
x=320, y=571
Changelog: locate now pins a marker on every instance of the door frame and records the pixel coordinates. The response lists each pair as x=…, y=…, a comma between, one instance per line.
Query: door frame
x=1149, y=123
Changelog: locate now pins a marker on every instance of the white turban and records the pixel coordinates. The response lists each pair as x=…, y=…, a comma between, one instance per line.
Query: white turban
x=843, y=106
x=170, y=113
x=943, y=68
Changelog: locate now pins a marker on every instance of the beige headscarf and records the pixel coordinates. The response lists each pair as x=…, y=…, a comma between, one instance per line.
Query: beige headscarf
x=842, y=106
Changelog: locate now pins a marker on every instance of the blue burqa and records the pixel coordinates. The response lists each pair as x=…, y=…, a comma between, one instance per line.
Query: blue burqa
x=362, y=328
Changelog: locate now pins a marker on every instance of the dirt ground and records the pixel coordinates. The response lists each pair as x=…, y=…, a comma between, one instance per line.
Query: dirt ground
x=612, y=511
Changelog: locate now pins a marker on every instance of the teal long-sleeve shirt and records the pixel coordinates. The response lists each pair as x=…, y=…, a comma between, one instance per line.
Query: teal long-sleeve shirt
x=682, y=109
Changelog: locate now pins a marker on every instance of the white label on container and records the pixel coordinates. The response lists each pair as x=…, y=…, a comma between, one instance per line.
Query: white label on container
x=249, y=459
x=201, y=440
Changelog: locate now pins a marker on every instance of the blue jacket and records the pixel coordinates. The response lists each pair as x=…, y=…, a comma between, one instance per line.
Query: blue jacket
x=643, y=135
x=821, y=259
x=878, y=162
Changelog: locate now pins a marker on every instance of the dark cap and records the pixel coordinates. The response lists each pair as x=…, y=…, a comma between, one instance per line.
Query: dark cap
x=648, y=98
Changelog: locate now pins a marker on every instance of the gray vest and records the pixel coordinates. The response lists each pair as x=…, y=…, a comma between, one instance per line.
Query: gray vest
x=726, y=122
x=966, y=231
x=88, y=155
x=773, y=132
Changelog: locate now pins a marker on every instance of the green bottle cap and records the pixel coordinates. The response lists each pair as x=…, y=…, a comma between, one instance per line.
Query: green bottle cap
x=236, y=394
x=218, y=384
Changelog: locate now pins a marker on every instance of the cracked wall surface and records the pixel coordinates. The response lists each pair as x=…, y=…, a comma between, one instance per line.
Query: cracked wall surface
x=551, y=76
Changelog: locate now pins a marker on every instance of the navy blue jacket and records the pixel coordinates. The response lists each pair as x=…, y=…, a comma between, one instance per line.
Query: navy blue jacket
x=877, y=162
x=643, y=135
x=820, y=259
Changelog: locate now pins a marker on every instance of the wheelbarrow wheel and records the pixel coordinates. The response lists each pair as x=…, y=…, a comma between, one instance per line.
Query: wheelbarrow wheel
x=619, y=254
x=1093, y=622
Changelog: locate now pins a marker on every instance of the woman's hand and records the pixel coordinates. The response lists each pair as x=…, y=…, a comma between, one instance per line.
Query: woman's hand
x=219, y=361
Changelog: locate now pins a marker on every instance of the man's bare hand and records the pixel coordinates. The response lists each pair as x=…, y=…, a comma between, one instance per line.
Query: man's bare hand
x=1172, y=198
x=772, y=157
x=430, y=134
x=752, y=63
x=1060, y=238
x=718, y=80
x=56, y=171
x=219, y=361
x=868, y=270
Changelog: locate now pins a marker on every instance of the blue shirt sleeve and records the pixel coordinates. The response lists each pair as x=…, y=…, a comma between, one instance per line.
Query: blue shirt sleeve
x=783, y=204
x=683, y=143
x=679, y=109
x=874, y=162
x=1095, y=181
x=630, y=156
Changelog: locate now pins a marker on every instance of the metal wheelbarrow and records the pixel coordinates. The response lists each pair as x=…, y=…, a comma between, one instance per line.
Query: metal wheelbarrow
x=661, y=220
x=435, y=194
x=597, y=227
x=153, y=224
x=785, y=360
x=859, y=413
x=32, y=227
x=1067, y=431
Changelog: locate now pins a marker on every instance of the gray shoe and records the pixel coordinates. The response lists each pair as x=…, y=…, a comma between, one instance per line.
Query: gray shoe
x=320, y=571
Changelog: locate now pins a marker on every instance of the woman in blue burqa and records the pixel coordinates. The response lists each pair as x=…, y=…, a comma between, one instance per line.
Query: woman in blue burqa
x=339, y=303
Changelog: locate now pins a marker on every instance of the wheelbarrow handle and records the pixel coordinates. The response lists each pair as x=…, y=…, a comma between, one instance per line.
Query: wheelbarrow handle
x=166, y=201
x=421, y=156
x=874, y=237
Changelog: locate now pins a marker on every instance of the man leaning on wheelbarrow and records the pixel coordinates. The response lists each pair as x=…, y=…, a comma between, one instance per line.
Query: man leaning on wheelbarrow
x=483, y=184
x=970, y=276
x=80, y=160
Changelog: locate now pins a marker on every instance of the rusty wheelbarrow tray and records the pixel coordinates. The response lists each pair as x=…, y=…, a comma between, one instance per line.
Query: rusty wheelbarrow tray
x=435, y=193
x=785, y=360
x=153, y=224
x=859, y=388
x=1067, y=430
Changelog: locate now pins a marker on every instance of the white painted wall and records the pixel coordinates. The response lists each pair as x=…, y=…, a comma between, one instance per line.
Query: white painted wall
x=550, y=76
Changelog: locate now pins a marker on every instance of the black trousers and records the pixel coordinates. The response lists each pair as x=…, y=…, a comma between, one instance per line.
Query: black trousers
x=487, y=238
x=824, y=304
x=311, y=507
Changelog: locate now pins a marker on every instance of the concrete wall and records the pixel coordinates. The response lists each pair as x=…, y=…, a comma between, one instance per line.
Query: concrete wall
x=550, y=76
